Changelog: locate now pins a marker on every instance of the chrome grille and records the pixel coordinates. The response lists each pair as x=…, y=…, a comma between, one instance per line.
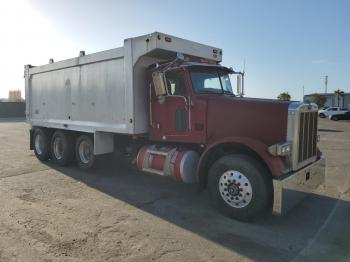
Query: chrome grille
x=307, y=144
x=302, y=133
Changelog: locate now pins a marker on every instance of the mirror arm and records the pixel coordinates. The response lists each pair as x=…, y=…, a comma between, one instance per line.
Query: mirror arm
x=239, y=86
x=242, y=84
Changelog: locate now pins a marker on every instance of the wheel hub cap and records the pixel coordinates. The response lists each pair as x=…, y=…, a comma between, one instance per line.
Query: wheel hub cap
x=235, y=189
x=85, y=152
x=58, y=148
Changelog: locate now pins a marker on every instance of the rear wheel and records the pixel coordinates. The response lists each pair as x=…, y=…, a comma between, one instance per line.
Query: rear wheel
x=322, y=115
x=335, y=118
x=84, y=152
x=240, y=186
x=41, y=141
x=62, y=147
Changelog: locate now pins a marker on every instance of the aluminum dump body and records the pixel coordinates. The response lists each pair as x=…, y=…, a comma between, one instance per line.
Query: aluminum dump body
x=105, y=91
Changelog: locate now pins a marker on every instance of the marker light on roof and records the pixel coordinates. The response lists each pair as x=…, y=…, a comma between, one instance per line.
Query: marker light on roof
x=167, y=39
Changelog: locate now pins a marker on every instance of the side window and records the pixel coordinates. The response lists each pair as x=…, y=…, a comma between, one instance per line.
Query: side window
x=175, y=83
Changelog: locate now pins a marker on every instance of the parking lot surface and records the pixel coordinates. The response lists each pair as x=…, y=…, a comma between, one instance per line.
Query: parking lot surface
x=49, y=213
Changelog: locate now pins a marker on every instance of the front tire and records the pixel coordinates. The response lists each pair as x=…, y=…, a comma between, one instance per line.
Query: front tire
x=240, y=186
x=322, y=115
x=84, y=152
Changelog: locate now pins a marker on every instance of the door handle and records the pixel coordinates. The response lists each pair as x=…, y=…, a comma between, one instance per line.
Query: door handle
x=187, y=105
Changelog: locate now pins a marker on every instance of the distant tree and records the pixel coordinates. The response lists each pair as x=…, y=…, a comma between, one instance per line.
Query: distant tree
x=339, y=94
x=285, y=96
x=319, y=100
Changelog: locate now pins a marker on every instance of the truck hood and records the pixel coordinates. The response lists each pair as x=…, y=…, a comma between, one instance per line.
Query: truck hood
x=260, y=119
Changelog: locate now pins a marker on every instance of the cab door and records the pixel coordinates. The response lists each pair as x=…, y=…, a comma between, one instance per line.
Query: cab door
x=170, y=114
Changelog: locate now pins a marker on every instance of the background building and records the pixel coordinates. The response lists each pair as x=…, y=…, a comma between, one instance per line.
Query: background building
x=15, y=96
x=332, y=99
x=13, y=106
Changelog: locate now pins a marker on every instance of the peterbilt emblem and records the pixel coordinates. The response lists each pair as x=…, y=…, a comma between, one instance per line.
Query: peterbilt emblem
x=309, y=106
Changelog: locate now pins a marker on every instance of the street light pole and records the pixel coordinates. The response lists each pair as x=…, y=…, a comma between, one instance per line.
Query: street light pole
x=325, y=83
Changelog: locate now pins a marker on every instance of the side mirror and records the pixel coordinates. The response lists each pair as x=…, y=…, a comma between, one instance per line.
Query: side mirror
x=239, y=84
x=159, y=83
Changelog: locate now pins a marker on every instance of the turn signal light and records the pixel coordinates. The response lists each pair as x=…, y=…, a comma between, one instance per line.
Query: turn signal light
x=280, y=149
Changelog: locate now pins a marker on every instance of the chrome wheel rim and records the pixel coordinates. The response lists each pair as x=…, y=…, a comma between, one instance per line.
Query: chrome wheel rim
x=58, y=148
x=39, y=144
x=85, y=152
x=235, y=189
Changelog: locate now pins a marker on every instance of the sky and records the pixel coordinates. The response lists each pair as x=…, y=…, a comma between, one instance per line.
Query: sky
x=284, y=44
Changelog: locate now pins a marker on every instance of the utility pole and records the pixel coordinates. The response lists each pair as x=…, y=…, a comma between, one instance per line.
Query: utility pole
x=303, y=94
x=325, y=83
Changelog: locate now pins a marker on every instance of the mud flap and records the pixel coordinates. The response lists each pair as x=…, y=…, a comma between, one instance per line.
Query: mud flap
x=31, y=139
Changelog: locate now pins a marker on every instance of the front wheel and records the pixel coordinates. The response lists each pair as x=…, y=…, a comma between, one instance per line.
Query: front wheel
x=322, y=115
x=240, y=186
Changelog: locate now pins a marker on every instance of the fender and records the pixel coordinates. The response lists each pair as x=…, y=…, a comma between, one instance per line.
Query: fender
x=274, y=164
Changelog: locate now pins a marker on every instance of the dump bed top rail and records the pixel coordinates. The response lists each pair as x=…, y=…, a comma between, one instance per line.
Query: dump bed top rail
x=155, y=44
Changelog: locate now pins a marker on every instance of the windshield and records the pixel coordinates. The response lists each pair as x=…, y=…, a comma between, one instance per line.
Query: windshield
x=210, y=81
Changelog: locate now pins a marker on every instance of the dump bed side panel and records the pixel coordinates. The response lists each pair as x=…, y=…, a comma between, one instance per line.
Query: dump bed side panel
x=87, y=96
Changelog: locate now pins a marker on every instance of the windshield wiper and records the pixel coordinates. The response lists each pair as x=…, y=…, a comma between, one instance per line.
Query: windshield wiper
x=226, y=92
x=210, y=92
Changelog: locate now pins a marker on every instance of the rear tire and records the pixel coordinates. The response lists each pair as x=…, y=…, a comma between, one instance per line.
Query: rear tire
x=240, y=186
x=335, y=118
x=41, y=141
x=62, y=147
x=322, y=115
x=84, y=152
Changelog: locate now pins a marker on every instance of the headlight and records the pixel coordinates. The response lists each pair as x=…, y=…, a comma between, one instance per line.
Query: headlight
x=282, y=149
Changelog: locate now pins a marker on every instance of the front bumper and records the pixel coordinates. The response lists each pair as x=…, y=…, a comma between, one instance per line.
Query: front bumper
x=290, y=190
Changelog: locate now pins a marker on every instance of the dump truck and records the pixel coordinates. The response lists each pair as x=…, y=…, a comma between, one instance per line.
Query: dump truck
x=169, y=107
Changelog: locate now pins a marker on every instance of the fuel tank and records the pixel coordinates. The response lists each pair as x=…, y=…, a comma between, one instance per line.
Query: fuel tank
x=178, y=163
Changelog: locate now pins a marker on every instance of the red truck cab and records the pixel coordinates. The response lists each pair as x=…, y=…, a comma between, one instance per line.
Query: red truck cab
x=193, y=106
